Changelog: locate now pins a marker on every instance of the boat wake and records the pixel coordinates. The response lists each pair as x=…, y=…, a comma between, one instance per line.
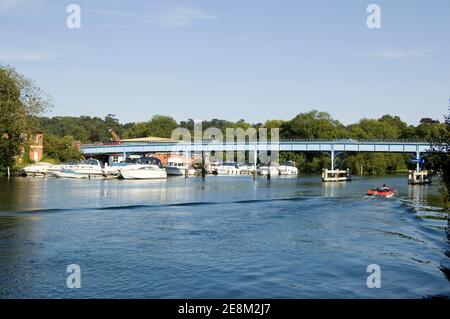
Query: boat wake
x=152, y=206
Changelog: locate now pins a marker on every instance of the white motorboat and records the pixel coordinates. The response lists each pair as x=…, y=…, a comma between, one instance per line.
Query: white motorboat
x=143, y=172
x=176, y=166
x=246, y=169
x=58, y=167
x=90, y=168
x=269, y=169
x=288, y=168
x=211, y=168
x=227, y=169
x=37, y=169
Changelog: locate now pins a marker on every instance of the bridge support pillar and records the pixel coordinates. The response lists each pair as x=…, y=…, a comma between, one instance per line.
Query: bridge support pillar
x=332, y=155
x=418, y=177
x=418, y=161
x=124, y=156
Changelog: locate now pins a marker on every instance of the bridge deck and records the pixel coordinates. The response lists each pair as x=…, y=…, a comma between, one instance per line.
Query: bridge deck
x=299, y=145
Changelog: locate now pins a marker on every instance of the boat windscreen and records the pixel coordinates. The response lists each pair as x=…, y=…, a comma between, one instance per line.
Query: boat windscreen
x=149, y=160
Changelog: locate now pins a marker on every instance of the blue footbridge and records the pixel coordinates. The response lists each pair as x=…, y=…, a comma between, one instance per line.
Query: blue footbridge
x=334, y=147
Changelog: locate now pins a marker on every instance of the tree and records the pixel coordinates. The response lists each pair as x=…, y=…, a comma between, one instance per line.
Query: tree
x=313, y=124
x=159, y=125
x=373, y=129
x=441, y=155
x=12, y=121
x=20, y=102
x=60, y=148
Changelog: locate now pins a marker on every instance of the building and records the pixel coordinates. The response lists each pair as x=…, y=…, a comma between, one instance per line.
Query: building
x=37, y=148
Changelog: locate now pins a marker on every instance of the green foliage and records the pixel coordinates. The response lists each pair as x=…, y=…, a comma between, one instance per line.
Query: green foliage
x=60, y=148
x=20, y=101
x=441, y=157
x=84, y=128
x=313, y=124
x=373, y=129
x=12, y=120
x=159, y=125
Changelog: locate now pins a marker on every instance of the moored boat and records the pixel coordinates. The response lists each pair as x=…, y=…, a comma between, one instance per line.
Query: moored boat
x=176, y=166
x=90, y=168
x=288, y=168
x=271, y=170
x=227, y=169
x=37, y=169
x=143, y=172
x=246, y=169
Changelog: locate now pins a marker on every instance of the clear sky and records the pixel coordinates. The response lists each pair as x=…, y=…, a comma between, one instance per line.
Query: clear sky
x=230, y=59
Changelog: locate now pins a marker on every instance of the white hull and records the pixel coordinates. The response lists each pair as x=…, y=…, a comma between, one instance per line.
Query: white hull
x=178, y=171
x=74, y=175
x=114, y=170
x=143, y=173
x=264, y=170
x=87, y=169
x=227, y=171
x=78, y=173
x=37, y=169
x=246, y=170
x=288, y=170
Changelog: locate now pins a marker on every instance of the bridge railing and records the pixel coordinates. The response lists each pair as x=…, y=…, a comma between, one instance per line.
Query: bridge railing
x=332, y=141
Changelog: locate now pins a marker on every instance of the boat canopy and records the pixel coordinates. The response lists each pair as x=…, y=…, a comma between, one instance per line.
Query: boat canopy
x=149, y=160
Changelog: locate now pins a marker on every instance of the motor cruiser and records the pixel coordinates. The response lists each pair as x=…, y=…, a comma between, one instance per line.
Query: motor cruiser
x=271, y=169
x=288, y=168
x=143, y=171
x=227, y=168
x=176, y=166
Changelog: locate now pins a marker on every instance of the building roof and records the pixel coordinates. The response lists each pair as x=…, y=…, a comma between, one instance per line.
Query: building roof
x=149, y=139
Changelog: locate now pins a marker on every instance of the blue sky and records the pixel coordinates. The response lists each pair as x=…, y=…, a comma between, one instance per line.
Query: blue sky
x=252, y=59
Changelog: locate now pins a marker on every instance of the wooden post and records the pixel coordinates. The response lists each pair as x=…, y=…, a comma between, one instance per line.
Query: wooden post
x=203, y=165
x=8, y=172
x=255, y=159
x=186, y=172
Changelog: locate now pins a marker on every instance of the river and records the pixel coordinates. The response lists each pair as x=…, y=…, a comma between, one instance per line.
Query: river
x=222, y=237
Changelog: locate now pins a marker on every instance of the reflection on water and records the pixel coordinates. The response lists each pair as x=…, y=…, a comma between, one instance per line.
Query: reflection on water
x=221, y=237
x=22, y=192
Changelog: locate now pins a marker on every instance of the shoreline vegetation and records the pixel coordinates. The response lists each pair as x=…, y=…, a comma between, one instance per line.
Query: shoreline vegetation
x=22, y=103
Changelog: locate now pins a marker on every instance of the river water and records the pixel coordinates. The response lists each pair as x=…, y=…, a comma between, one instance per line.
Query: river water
x=222, y=237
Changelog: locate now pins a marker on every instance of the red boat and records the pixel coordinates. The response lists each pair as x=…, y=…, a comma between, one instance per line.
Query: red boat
x=384, y=191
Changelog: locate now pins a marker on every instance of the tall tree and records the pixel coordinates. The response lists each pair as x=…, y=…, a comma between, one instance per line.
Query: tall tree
x=441, y=156
x=313, y=124
x=159, y=125
x=20, y=102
